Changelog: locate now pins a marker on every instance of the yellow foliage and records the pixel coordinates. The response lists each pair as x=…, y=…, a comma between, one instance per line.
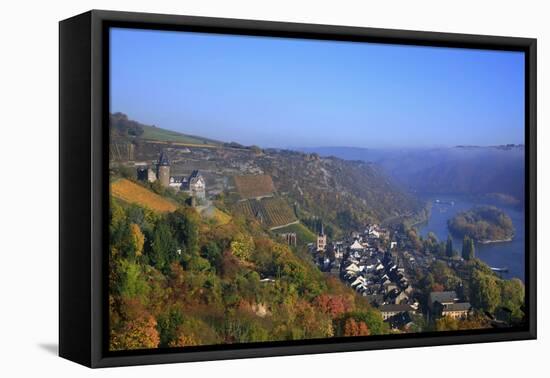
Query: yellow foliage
x=131, y=192
x=138, y=239
x=138, y=333
x=242, y=246
x=221, y=217
x=182, y=341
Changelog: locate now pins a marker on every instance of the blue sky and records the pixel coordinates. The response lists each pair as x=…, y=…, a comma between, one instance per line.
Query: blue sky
x=279, y=92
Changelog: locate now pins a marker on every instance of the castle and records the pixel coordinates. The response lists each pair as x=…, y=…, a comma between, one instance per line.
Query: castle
x=195, y=183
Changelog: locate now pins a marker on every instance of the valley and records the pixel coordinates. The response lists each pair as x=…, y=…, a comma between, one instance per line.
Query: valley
x=216, y=242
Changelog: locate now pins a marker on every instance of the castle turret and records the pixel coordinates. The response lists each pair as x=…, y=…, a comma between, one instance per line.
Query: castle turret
x=163, y=170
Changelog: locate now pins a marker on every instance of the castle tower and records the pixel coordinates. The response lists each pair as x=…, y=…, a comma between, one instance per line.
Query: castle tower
x=163, y=170
x=321, y=240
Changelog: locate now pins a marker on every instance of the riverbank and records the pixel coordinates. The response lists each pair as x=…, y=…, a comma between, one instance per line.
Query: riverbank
x=495, y=241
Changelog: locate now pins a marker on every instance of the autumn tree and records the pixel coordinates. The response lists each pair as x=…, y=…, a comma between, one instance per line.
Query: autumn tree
x=183, y=340
x=334, y=305
x=372, y=319
x=136, y=334
x=447, y=323
x=137, y=328
x=355, y=328
x=242, y=246
x=137, y=239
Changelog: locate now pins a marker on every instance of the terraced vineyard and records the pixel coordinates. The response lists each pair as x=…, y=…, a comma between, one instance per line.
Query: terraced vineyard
x=130, y=192
x=271, y=211
x=251, y=186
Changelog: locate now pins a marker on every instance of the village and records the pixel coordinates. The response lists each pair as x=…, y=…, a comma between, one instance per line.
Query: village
x=373, y=263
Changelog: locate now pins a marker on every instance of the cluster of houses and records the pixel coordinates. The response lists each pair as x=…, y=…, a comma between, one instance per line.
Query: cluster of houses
x=368, y=263
x=447, y=303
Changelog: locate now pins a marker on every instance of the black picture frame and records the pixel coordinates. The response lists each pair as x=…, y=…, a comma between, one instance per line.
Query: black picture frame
x=84, y=199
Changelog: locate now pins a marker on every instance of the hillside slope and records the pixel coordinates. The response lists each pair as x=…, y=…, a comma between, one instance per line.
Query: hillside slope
x=270, y=212
x=176, y=279
x=133, y=193
x=123, y=128
x=164, y=135
x=455, y=170
x=344, y=193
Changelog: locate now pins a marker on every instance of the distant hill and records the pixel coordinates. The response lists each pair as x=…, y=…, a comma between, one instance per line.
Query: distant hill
x=345, y=194
x=456, y=170
x=124, y=128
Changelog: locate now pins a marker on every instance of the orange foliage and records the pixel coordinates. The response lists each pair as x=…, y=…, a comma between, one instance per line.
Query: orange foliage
x=138, y=329
x=355, y=328
x=334, y=305
x=230, y=265
x=183, y=340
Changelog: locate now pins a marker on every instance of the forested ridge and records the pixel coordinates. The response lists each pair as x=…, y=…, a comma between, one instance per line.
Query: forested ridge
x=345, y=194
x=177, y=280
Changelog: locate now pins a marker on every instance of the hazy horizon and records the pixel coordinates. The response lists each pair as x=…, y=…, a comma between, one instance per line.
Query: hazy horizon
x=293, y=93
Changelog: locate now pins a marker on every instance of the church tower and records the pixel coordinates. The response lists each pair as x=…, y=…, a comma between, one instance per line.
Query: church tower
x=321, y=239
x=163, y=170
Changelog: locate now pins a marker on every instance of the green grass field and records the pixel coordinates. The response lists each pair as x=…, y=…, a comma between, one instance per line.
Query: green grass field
x=156, y=133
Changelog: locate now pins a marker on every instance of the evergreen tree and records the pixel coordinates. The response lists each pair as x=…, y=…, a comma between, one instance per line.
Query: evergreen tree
x=184, y=226
x=449, y=247
x=164, y=248
x=472, y=250
x=466, y=247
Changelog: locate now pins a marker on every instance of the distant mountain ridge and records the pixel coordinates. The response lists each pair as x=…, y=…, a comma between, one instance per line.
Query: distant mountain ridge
x=453, y=170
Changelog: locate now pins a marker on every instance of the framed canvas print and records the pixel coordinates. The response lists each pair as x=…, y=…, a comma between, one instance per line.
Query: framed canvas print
x=234, y=188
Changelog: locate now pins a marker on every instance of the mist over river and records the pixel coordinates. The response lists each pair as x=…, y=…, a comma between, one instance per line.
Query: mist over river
x=509, y=255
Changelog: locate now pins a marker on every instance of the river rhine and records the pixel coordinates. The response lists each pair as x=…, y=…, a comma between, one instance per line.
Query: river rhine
x=509, y=255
